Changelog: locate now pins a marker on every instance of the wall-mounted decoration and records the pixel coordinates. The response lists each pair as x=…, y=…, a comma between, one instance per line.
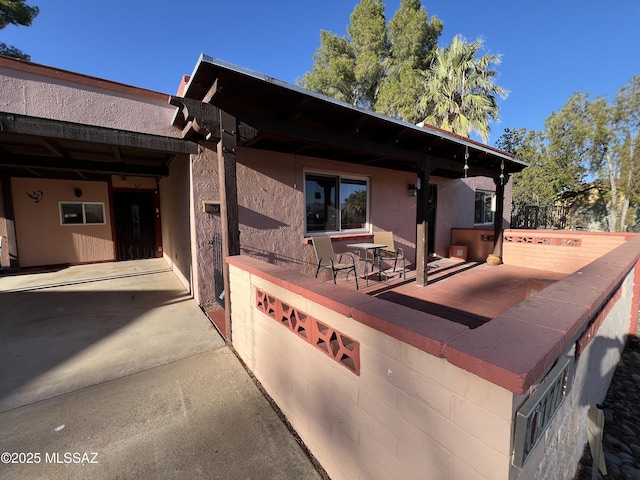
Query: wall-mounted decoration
x=36, y=195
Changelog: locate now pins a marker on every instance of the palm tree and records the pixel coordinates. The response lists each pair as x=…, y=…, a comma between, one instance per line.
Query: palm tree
x=459, y=90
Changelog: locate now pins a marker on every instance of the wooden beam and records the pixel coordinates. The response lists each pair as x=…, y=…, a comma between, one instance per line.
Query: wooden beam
x=303, y=133
x=116, y=154
x=227, y=180
x=196, y=117
x=54, y=148
x=54, y=163
x=57, y=129
x=33, y=172
x=213, y=90
x=425, y=167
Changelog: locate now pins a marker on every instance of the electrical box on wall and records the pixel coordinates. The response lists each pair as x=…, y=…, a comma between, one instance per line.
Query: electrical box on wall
x=211, y=207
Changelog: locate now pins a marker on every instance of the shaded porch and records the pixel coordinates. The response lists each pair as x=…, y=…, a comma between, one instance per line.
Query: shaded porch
x=388, y=390
x=468, y=293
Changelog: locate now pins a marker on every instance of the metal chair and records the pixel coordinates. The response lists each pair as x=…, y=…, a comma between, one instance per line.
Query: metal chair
x=327, y=258
x=390, y=253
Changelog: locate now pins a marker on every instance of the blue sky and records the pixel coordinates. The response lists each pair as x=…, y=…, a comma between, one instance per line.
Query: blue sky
x=549, y=49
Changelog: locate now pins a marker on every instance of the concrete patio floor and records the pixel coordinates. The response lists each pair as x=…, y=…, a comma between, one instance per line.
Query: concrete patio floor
x=469, y=293
x=118, y=361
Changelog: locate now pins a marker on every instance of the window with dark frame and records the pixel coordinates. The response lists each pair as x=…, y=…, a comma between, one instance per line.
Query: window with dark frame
x=335, y=203
x=484, y=207
x=82, y=213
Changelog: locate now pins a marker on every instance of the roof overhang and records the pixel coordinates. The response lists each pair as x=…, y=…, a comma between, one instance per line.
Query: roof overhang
x=273, y=115
x=41, y=147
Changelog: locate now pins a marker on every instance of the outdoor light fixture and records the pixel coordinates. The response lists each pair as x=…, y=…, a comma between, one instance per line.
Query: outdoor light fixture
x=77, y=192
x=466, y=161
x=413, y=191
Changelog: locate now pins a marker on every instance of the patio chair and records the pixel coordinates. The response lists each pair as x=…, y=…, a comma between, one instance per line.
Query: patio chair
x=327, y=259
x=391, y=252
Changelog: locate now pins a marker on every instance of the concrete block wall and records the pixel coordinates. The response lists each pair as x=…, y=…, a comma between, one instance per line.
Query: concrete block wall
x=434, y=399
x=562, y=445
x=524, y=248
x=409, y=414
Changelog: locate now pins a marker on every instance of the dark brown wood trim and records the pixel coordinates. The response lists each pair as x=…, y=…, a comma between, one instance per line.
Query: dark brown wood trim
x=425, y=167
x=55, y=163
x=227, y=149
x=57, y=129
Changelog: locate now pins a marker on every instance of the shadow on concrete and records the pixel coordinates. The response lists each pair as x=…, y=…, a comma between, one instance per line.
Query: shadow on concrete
x=60, y=337
x=468, y=319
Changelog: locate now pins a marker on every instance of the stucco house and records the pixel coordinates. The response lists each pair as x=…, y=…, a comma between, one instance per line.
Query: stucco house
x=229, y=179
x=93, y=171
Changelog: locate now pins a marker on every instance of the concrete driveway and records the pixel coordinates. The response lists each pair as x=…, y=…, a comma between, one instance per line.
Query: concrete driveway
x=68, y=329
x=118, y=361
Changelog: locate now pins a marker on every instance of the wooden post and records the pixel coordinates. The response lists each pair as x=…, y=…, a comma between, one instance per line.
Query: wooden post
x=228, y=203
x=422, y=223
x=497, y=219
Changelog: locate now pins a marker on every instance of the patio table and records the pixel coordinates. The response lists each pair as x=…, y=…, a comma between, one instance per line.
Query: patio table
x=374, y=248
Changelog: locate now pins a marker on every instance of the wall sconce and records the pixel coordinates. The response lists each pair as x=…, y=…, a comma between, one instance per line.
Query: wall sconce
x=77, y=192
x=413, y=191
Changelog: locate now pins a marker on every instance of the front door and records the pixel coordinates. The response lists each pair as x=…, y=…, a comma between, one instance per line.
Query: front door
x=135, y=221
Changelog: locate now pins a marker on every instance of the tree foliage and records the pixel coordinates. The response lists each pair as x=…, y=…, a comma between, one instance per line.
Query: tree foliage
x=593, y=141
x=15, y=12
x=375, y=66
x=413, y=39
x=459, y=92
x=537, y=184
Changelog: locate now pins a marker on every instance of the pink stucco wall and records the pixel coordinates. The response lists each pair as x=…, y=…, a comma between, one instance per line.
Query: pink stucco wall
x=42, y=240
x=271, y=208
x=456, y=200
x=39, y=91
x=176, y=229
x=203, y=186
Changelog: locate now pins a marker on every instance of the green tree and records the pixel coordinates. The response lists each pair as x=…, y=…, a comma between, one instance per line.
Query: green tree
x=626, y=125
x=413, y=40
x=375, y=66
x=539, y=183
x=459, y=90
x=587, y=140
x=350, y=68
x=15, y=12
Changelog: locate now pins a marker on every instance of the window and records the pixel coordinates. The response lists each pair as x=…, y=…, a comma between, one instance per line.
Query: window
x=81, y=213
x=485, y=207
x=335, y=203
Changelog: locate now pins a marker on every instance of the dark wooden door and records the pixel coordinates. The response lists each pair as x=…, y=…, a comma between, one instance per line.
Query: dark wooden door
x=134, y=215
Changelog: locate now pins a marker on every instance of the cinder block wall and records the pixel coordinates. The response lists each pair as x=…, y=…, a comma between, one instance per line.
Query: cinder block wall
x=555, y=250
x=427, y=398
x=562, y=445
x=408, y=414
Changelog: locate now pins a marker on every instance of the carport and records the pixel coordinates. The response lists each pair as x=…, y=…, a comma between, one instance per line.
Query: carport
x=117, y=360
x=66, y=329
